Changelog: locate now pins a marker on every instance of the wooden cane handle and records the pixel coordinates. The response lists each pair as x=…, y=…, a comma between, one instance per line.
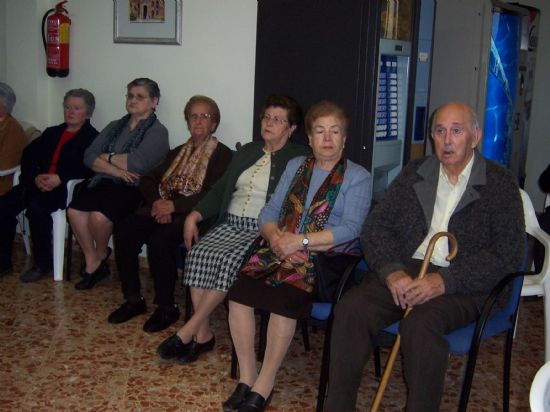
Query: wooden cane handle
x=430, y=251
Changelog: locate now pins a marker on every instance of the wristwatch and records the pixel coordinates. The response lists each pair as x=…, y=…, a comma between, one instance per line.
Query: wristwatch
x=110, y=156
x=305, y=242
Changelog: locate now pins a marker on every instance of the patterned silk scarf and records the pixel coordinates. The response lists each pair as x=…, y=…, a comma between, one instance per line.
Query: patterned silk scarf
x=263, y=263
x=187, y=171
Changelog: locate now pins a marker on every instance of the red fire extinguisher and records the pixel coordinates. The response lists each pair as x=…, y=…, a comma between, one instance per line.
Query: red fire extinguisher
x=56, y=40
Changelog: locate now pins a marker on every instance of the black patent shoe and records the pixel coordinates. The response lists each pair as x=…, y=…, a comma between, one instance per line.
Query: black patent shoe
x=254, y=402
x=161, y=319
x=234, y=402
x=127, y=311
x=89, y=280
x=173, y=347
x=196, y=349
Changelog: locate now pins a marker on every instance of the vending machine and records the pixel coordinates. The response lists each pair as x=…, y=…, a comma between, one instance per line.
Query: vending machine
x=361, y=54
x=495, y=73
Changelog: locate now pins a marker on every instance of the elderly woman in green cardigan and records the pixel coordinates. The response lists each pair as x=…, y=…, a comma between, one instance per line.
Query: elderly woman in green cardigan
x=235, y=200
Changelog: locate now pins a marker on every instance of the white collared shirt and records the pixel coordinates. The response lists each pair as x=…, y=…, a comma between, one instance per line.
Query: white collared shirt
x=447, y=198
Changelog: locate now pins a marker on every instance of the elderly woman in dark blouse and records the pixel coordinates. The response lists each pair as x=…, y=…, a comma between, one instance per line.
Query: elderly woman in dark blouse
x=125, y=150
x=236, y=200
x=170, y=192
x=48, y=163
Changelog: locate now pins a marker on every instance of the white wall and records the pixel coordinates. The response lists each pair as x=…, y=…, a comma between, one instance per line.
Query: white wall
x=216, y=58
x=2, y=41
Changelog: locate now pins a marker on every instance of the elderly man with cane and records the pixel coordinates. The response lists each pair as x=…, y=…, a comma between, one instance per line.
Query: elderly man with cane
x=454, y=190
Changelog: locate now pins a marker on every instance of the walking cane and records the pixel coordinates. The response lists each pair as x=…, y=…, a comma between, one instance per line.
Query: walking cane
x=397, y=343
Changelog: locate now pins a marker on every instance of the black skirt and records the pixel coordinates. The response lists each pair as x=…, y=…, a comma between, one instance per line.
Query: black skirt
x=285, y=300
x=114, y=200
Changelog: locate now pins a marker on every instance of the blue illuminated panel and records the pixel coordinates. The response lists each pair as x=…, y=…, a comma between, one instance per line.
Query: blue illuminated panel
x=501, y=87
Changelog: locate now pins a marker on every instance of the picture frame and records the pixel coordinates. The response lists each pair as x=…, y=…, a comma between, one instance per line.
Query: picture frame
x=147, y=21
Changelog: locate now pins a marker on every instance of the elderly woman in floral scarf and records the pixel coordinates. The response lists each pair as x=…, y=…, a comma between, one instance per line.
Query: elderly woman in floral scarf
x=170, y=192
x=319, y=204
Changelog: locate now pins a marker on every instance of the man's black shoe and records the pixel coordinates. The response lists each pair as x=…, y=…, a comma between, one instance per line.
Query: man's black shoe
x=127, y=311
x=196, y=349
x=161, y=318
x=33, y=274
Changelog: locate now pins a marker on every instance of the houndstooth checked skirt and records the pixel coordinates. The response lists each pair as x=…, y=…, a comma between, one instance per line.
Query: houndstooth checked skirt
x=213, y=262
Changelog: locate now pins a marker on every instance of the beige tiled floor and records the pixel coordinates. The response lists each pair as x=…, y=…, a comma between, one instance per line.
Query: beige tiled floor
x=57, y=352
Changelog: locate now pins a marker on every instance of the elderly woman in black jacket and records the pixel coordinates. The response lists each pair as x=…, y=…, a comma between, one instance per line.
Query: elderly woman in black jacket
x=47, y=164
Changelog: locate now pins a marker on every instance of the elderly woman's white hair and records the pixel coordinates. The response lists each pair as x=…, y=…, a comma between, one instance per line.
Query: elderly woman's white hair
x=7, y=97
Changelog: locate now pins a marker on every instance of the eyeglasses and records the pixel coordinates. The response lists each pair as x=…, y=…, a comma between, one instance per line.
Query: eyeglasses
x=199, y=116
x=276, y=120
x=138, y=97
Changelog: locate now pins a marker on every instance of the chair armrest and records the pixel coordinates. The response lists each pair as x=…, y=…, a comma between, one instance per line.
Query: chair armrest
x=345, y=277
x=16, y=177
x=6, y=172
x=491, y=300
x=70, y=188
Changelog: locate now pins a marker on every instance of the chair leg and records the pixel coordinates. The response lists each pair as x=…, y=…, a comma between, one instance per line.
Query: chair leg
x=233, y=362
x=21, y=221
x=188, y=303
x=264, y=320
x=468, y=376
x=377, y=368
x=59, y=226
x=69, y=253
x=325, y=364
x=305, y=334
x=507, y=370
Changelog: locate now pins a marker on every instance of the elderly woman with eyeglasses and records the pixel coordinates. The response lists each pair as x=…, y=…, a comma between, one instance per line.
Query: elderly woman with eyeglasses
x=170, y=192
x=319, y=205
x=235, y=201
x=124, y=151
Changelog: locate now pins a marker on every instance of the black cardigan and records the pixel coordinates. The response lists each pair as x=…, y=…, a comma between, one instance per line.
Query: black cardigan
x=37, y=156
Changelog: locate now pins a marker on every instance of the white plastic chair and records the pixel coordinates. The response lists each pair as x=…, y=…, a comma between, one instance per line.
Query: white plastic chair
x=538, y=285
x=539, y=396
x=59, y=229
x=20, y=217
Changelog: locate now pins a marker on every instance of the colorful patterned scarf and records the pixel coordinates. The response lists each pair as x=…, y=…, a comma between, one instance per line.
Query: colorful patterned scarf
x=187, y=171
x=263, y=263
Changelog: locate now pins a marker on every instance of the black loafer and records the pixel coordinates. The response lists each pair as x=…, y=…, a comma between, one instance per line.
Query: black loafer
x=82, y=271
x=254, y=402
x=234, y=402
x=127, y=311
x=161, y=319
x=173, y=347
x=89, y=280
x=196, y=349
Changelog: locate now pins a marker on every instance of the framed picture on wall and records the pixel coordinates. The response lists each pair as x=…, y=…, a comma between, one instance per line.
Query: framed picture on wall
x=147, y=21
